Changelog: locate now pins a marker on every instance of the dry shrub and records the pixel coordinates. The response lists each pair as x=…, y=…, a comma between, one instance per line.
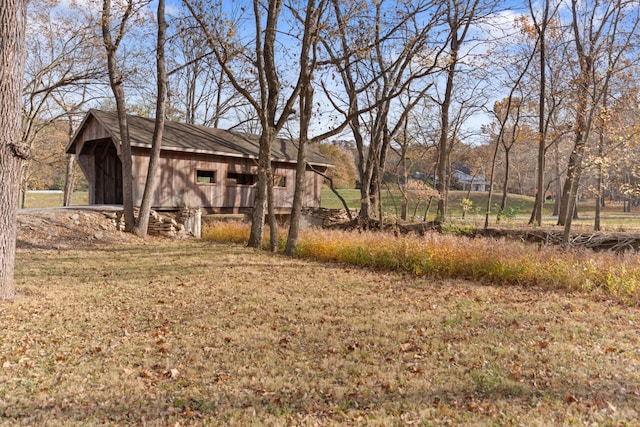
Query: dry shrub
x=496, y=261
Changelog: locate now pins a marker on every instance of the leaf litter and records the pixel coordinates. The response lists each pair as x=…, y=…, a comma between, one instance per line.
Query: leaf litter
x=193, y=333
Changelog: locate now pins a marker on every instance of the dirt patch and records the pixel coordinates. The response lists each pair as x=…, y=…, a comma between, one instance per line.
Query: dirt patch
x=68, y=229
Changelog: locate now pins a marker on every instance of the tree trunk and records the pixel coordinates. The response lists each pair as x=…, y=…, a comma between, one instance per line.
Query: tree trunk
x=69, y=175
x=600, y=172
x=298, y=195
x=443, y=142
x=24, y=184
x=404, y=210
x=156, y=144
x=505, y=185
x=116, y=83
x=596, y=221
x=491, y=179
x=366, y=184
x=536, y=214
x=260, y=200
x=12, y=151
x=68, y=182
x=460, y=16
x=273, y=224
x=306, y=112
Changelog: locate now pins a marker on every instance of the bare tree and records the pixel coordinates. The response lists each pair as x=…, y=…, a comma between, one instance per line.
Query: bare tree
x=71, y=102
x=460, y=15
x=308, y=60
x=199, y=91
x=61, y=59
x=411, y=145
x=596, y=29
x=312, y=22
x=142, y=223
x=541, y=24
x=272, y=107
x=116, y=80
x=376, y=63
x=12, y=150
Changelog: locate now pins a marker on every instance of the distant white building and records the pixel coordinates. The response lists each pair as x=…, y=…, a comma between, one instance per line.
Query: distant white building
x=463, y=181
x=470, y=182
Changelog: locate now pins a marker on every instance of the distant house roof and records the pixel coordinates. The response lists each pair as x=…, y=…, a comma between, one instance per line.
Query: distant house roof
x=197, y=139
x=468, y=179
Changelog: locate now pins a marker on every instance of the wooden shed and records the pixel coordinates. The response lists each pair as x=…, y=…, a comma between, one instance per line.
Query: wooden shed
x=200, y=167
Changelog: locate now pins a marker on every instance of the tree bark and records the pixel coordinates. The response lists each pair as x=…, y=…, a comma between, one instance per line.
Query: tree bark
x=460, y=16
x=256, y=235
x=601, y=36
x=536, y=214
x=69, y=176
x=12, y=152
x=116, y=83
x=307, y=66
x=443, y=141
x=68, y=182
x=156, y=144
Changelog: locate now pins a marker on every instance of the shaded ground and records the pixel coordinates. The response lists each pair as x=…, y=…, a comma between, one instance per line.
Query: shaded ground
x=195, y=333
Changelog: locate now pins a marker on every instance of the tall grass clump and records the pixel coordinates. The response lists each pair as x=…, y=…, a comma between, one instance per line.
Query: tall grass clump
x=226, y=231
x=237, y=232
x=496, y=261
x=484, y=259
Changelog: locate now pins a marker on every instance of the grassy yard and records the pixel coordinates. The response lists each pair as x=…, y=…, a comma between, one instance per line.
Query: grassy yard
x=518, y=209
x=199, y=333
x=52, y=199
x=613, y=219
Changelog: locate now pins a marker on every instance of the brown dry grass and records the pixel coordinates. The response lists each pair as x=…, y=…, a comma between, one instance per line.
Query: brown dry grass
x=200, y=333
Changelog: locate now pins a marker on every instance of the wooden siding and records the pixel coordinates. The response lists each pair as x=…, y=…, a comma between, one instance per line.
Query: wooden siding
x=177, y=185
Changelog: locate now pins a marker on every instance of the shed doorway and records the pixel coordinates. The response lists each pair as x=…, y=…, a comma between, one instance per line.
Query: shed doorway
x=108, y=175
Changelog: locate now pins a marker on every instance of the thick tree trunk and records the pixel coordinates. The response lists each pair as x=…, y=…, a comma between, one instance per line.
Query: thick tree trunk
x=366, y=185
x=271, y=214
x=306, y=111
x=298, y=195
x=125, y=158
x=260, y=201
x=12, y=152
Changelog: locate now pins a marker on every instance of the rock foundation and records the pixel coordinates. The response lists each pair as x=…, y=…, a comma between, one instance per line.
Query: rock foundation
x=162, y=225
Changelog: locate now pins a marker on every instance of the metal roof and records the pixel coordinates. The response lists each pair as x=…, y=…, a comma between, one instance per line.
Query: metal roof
x=198, y=139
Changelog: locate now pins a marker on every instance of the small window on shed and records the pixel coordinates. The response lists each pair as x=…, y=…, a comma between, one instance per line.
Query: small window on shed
x=279, y=181
x=241, y=178
x=205, y=177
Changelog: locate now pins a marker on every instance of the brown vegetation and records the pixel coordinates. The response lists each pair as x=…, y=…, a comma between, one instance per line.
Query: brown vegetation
x=195, y=333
